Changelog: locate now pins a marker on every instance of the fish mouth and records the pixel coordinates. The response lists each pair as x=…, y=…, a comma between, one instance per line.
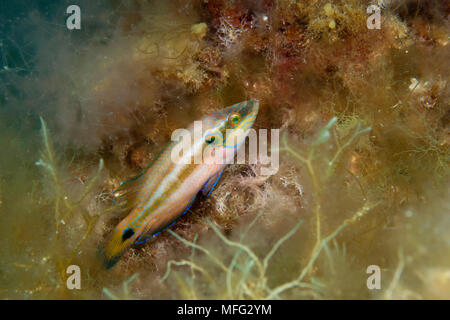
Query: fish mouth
x=252, y=107
x=248, y=112
x=249, y=108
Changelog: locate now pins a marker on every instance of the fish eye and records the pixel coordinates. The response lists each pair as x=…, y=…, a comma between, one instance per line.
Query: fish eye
x=235, y=118
x=214, y=138
x=210, y=139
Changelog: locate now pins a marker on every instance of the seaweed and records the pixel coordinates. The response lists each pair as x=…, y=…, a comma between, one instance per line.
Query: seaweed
x=66, y=209
x=125, y=294
x=241, y=282
x=246, y=275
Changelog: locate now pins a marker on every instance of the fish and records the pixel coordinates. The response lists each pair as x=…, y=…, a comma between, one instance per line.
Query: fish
x=163, y=192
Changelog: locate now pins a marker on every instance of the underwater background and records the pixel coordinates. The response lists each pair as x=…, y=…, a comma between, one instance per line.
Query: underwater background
x=363, y=177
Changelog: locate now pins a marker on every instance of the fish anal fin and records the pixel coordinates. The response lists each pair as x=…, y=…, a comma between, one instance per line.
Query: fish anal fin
x=211, y=183
x=147, y=235
x=143, y=238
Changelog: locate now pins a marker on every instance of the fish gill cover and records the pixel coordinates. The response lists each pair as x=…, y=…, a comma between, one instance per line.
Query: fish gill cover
x=363, y=173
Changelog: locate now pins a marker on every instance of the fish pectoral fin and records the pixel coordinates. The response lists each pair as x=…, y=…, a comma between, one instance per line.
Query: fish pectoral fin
x=129, y=189
x=211, y=183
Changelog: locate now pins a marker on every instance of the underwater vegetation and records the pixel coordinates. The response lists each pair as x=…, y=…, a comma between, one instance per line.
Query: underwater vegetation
x=363, y=176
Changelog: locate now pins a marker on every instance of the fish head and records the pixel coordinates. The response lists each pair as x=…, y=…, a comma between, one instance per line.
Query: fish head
x=227, y=129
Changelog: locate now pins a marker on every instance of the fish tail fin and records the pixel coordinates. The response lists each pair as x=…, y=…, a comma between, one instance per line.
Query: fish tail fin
x=115, y=245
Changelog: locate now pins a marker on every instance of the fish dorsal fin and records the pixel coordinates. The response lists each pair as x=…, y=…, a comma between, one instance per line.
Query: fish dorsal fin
x=129, y=189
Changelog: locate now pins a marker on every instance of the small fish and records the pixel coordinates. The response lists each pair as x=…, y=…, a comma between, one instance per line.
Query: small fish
x=166, y=189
